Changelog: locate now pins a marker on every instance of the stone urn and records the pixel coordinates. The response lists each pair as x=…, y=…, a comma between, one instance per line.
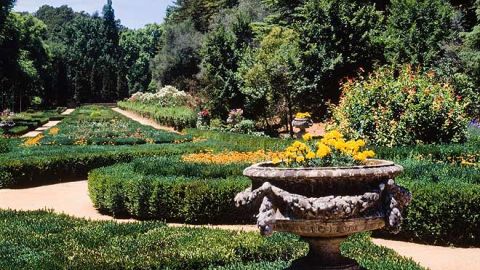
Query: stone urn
x=325, y=205
x=302, y=124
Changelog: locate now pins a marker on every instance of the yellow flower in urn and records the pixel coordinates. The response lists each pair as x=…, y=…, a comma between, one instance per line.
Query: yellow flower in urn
x=331, y=150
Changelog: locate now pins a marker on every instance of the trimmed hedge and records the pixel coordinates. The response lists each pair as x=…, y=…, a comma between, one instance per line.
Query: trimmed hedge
x=176, y=117
x=190, y=196
x=38, y=165
x=443, y=213
x=68, y=243
x=4, y=146
x=443, y=210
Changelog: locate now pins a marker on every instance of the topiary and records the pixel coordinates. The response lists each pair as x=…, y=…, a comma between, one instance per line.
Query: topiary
x=400, y=107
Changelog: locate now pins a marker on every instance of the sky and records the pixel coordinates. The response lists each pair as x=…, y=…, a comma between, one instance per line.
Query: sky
x=132, y=13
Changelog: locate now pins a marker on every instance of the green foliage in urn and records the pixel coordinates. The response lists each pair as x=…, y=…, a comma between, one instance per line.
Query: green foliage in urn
x=401, y=107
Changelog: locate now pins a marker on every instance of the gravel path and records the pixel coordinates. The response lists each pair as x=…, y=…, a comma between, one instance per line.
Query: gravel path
x=72, y=199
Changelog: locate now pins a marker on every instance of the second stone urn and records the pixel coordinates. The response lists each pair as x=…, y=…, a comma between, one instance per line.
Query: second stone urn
x=302, y=124
x=325, y=205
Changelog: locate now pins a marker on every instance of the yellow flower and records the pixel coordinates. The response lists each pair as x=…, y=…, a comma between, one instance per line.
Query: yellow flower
x=303, y=115
x=334, y=134
x=310, y=155
x=369, y=153
x=33, y=141
x=54, y=131
x=360, y=157
x=276, y=161
x=300, y=159
x=323, y=150
x=360, y=143
x=307, y=137
x=297, y=144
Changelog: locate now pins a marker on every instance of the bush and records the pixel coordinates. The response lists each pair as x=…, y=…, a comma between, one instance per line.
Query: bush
x=124, y=190
x=442, y=213
x=18, y=130
x=393, y=110
x=177, y=117
x=4, y=146
x=38, y=165
x=69, y=243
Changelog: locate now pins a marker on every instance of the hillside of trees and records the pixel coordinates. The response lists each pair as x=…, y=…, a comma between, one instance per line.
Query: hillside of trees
x=268, y=57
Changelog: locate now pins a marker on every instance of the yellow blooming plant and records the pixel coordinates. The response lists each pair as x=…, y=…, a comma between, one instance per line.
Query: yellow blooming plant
x=35, y=141
x=229, y=157
x=301, y=115
x=331, y=150
x=54, y=131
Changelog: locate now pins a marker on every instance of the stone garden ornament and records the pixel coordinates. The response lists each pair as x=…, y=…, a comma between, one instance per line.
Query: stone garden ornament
x=325, y=204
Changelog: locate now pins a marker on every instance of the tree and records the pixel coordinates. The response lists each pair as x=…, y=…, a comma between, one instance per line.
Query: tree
x=416, y=30
x=199, y=12
x=338, y=38
x=25, y=64
x=177, y=62
x=222, y=52
x=138, y=48
x=269, y=75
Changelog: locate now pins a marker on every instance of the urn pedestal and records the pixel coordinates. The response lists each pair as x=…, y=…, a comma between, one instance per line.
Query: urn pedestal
x=325, y=205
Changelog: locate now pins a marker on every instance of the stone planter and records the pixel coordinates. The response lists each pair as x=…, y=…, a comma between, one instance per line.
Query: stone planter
x=325, y=205
x=302, y=124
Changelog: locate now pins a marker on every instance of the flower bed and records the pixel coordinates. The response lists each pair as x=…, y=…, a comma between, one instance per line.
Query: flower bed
x=96, y=125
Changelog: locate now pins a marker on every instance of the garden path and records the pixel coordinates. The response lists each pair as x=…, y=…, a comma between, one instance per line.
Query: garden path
x=72, y=199
x=143, y=120
x=50, y=124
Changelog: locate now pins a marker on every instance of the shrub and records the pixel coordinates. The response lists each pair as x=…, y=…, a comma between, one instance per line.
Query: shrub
x=392, y=110
x=69, y=243
x=38, y=165
x=177, y=117
x=122, y=190
x=18, y=130
x=4, y=146
x=442, y=213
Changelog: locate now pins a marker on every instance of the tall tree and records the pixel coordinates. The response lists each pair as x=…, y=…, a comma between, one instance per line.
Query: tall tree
x=178, y=60
x=138, y=48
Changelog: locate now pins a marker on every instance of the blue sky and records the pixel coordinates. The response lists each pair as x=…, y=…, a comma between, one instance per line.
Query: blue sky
x=132, y=13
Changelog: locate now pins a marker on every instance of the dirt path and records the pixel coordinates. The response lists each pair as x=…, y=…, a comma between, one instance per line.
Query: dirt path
x=72, y=199
x=144, y=121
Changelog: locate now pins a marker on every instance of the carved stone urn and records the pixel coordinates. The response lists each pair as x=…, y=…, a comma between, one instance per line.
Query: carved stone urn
x=325, y=205
x=302, y=124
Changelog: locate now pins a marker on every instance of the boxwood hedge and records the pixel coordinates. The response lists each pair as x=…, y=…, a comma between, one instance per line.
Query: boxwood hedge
x=38, y=165
x=41, y=240
x=443, y=211
x=177, y=193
